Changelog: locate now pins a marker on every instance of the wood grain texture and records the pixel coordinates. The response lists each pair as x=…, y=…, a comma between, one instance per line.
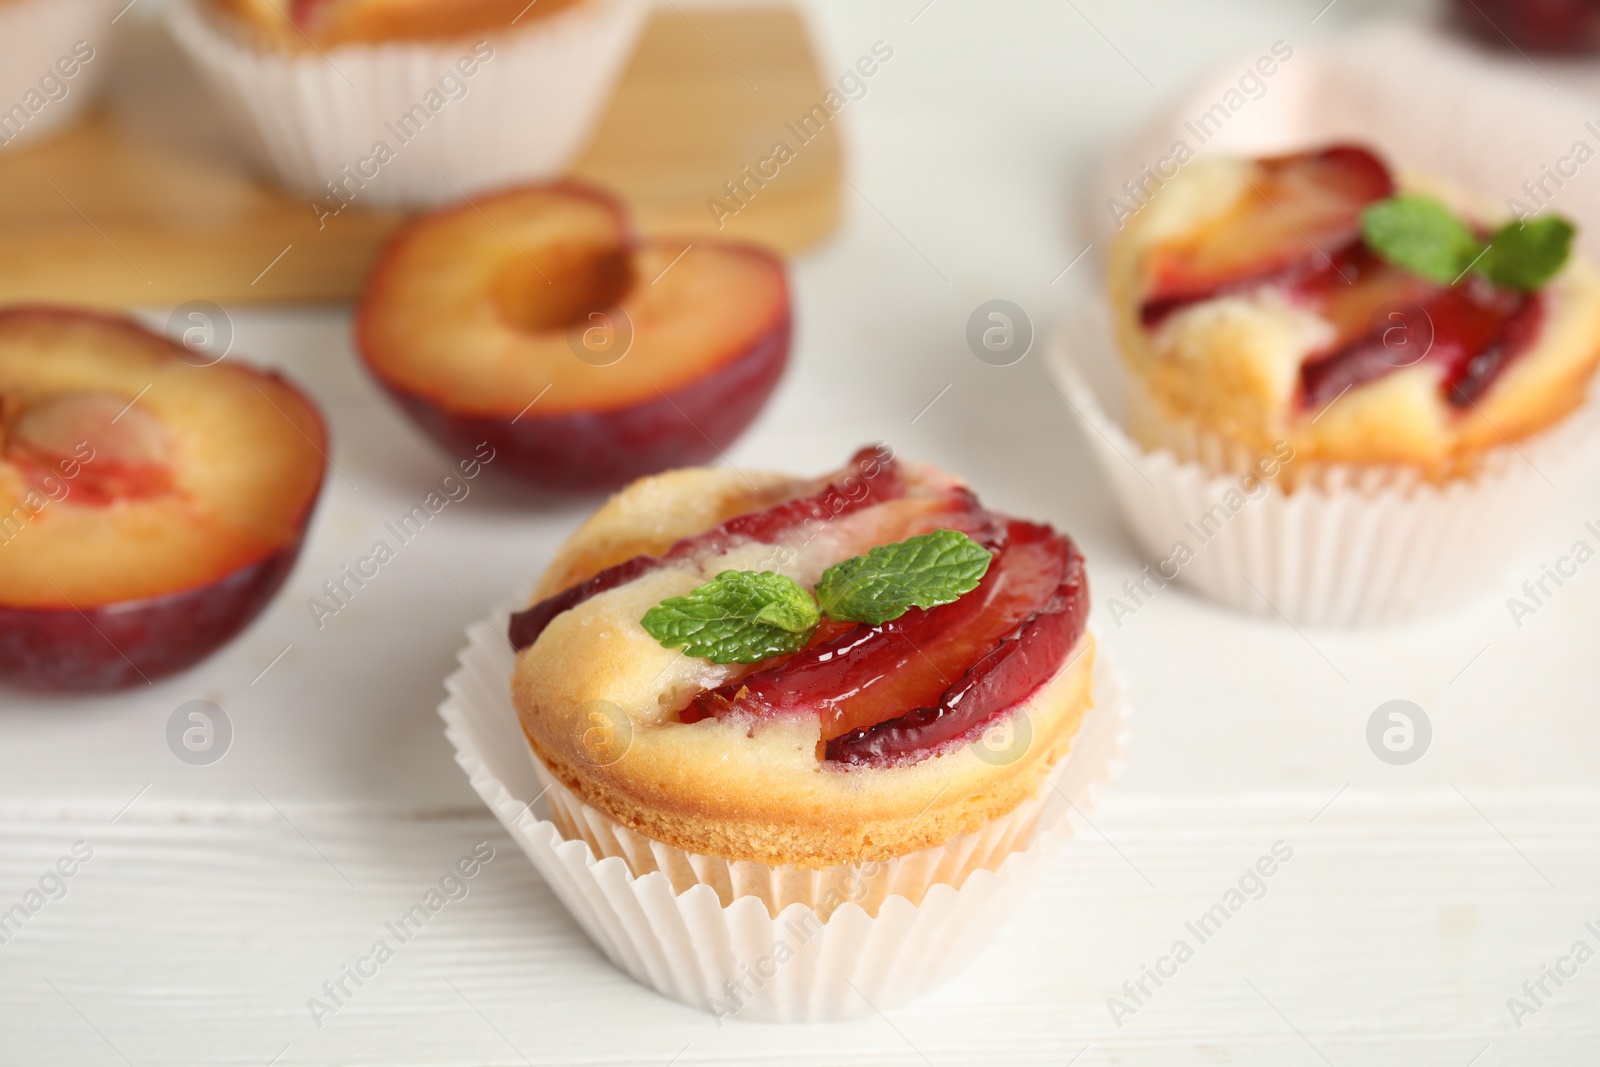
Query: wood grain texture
x=1394, y=936
x=135, y=208
x=196, y=935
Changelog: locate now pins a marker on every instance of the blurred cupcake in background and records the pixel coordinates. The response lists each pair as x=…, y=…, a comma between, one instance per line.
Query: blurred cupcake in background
x=1349, y=394
x=52, y=60
x=1316, y=305
x=401, y=103
x=322, y=24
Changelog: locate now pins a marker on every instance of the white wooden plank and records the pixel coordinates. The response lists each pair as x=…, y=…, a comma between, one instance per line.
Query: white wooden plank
x=1393, y=935
x=1418, y=900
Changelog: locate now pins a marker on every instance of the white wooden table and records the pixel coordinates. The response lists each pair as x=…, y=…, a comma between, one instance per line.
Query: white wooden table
x=1418, y=900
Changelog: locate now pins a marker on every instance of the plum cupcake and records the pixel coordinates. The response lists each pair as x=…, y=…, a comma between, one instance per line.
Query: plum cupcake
x=852, y=706
x=404, y=103
x=1363, y=382
x=1307, y=299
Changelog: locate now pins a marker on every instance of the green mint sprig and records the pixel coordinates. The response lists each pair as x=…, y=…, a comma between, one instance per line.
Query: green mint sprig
x=737, y=617
x=749, y=616
x=921, y=572
x=1526, y=255
x=1421, y=235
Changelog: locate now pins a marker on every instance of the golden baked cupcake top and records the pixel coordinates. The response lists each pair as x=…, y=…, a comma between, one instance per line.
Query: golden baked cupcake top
x=295, y=24
x=1314, y=301
x=801, y=671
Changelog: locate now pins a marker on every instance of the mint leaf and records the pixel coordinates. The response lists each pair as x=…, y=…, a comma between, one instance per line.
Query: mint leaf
x=923, y=572
x=1421, y=235
x=1525, y=255
x=749, y=616
x=737, y=617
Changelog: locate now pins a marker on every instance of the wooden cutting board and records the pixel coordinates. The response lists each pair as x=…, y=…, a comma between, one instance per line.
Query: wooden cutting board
x=136, y=207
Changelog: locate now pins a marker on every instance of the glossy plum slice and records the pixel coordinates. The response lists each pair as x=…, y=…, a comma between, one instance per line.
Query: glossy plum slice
x=1023, y=660
x=849, y=678
x=1359, y=294
x=1473, y=373
x=1300, y=213
x=871, y=477
x=1378, y=314
x=1299, y=227
x=1473, y=330
x=879, y=479
x=902, y=690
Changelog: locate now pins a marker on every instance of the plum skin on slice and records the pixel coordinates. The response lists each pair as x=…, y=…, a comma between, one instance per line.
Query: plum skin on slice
x=1473, y=329
x=880, y=479
x=997, y=645
x=1299, y=216
x=1019, y=665
x=83, y=646
x=859, y=682
x=710, y=324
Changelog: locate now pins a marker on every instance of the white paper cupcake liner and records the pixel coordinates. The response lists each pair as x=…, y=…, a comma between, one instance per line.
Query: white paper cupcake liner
x=312, y=118
x=1350, y=545
x=36, y=36
x=699, y=930
x=825, y=890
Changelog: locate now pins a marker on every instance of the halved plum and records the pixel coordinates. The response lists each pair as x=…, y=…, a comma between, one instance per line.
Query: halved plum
x=1298, y=214
x=533, y=320
x=149, y=508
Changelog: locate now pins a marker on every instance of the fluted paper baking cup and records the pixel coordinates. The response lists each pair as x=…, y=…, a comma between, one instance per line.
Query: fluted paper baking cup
x=1349, y=545
x=823, y=890
x=53, y=57
x=408, y=124
x=748, y=940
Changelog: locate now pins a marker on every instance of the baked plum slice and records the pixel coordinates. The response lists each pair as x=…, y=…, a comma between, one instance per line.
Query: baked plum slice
x=1386, y=318
x=149, y=508
x=1297, y=215
x=1019, y=663
x=872, y=477
x=534, y=320
x=907, y=689
x=1298, y=225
